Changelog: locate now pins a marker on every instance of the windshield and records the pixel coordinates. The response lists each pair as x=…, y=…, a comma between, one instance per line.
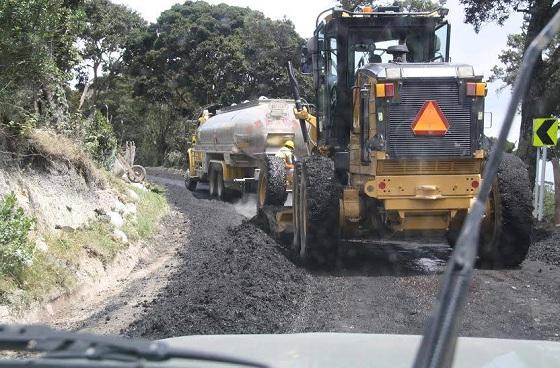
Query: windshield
x=249, y=189
x=372, y=46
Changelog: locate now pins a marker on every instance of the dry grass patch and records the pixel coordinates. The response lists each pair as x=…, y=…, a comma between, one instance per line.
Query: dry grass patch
x=56, y=147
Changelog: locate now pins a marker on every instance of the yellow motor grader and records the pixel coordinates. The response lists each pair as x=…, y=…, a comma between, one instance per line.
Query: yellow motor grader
x=398, y=140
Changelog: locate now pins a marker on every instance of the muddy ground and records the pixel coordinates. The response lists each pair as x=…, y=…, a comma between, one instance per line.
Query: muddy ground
x=214, y=272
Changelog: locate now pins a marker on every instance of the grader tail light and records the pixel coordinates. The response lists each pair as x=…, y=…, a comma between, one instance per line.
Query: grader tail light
x=476, y=89
x=385, y=90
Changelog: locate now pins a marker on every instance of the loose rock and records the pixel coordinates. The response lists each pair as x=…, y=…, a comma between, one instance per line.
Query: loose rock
x=120, y=236
x=41, y=246
x=116, y=219
x=546, y=250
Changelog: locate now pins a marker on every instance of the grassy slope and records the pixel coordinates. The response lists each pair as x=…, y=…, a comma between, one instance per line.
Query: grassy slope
x=56, y=269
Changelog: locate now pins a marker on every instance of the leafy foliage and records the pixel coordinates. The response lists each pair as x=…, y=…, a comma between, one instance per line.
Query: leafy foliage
x=194, y=55
x=478, y=13
x=100, y=141
x=104, y=37
x=543, y=94
x=36, y=54
x=407, y=5
x=16, y=251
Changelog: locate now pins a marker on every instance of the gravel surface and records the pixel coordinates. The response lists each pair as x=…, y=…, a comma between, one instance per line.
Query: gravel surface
x=230, y=277
x=547, y=249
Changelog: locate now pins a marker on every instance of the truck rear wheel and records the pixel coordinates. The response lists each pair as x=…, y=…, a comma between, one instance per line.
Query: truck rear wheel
x=317, y=211
x=212, y=181
x=272, y=183
x=505, y=233
x=220, y=186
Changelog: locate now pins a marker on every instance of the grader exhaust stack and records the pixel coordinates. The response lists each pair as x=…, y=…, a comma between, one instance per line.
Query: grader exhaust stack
x=298, y=103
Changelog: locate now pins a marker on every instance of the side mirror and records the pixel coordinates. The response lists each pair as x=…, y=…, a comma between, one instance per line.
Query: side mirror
x=311, y=45
x=306, y=61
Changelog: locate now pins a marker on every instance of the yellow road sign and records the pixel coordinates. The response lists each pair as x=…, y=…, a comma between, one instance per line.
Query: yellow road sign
x=545, y=132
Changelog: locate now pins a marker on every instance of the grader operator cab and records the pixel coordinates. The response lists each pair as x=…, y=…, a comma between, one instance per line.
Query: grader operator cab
x=398, y=140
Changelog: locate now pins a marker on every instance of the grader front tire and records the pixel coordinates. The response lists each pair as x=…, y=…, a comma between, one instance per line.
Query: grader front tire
x=317, y=212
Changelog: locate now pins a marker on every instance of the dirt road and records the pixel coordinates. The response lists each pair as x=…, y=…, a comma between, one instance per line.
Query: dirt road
x=227, y=276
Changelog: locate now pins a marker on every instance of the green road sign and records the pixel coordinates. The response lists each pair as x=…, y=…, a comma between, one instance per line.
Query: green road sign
x=545, y=132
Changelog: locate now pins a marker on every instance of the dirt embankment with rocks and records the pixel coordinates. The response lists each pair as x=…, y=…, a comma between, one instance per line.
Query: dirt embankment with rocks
x=84, y=220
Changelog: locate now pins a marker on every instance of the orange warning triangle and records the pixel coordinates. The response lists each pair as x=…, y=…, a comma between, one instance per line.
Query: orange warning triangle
x=430, y=120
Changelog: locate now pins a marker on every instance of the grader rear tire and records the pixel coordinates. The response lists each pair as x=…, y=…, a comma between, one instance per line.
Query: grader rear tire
x=455, y=227
x=506, y=230
x=505, y=233
x=318, y=212
x=272, y=183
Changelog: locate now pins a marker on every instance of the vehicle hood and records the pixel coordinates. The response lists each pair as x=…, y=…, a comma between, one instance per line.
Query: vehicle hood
x=369, y=350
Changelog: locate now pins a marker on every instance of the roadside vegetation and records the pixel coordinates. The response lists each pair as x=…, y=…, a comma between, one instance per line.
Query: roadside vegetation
x=151, y=205
x=34, y=267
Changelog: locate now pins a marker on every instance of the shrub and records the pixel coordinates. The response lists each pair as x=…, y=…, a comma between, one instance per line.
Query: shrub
x=21, y=128
x=175, y=159
x=549, y=204
x=16, y=251
x=100, y=141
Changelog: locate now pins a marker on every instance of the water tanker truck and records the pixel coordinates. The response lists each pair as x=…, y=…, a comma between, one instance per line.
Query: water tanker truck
x=237, y=143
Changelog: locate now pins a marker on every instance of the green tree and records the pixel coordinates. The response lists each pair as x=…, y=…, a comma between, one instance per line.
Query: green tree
x=37, y=53
x=104, y=37
x=542, y=98
x=198, y=54
x=99, y=140
x=407, y=5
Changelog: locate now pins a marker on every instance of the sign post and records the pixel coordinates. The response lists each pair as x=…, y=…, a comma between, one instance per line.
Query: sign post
x=540, y=214
x=536, y=186
x=545, y=134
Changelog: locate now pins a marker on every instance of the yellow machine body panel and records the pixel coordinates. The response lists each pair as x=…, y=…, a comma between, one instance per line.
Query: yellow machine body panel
x=409, y=193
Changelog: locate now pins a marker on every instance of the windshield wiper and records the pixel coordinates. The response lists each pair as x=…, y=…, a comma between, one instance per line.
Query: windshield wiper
x=60, y=345
x=440, y=336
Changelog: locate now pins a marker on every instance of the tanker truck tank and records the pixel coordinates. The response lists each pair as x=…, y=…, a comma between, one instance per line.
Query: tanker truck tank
x=231, y=145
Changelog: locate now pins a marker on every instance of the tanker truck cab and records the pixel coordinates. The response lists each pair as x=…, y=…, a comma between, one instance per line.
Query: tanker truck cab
x=400, y=132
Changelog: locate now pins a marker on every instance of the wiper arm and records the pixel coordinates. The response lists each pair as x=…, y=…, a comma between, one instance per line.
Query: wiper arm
x=69, y=345
x=440, y=336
